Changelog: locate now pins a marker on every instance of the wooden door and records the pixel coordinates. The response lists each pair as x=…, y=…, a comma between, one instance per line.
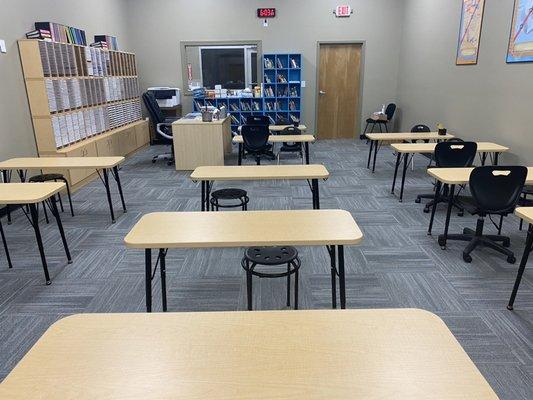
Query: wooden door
x=338, y=86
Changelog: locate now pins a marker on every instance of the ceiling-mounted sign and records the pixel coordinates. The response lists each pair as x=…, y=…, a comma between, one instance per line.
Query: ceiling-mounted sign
x=343, y=11
x=266, y=13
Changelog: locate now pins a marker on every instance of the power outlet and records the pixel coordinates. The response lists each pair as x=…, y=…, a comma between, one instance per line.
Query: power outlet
x=3, y=46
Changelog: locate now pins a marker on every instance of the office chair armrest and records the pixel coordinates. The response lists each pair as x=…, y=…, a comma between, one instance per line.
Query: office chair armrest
x=166, y=125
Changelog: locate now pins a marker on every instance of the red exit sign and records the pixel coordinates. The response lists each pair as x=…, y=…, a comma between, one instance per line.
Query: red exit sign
x=266, y=12
x=343, y=11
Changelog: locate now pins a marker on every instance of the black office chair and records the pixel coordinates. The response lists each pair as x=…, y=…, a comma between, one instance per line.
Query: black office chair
x=495, y=191
x=421, y=128
x=291, y=147
x=257, y=120
x=255, y=142
x=161, y=125
x=389, y=112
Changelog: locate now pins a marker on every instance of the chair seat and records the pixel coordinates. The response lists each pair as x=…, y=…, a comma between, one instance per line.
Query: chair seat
x=291, y=148
x=470, y=205
x=375, y=121
x=229, y=194
x=271, y=255
x=46, y=177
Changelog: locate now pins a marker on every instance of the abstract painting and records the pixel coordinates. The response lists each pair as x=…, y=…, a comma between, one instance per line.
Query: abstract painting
x=470, y=32
x=521, y=38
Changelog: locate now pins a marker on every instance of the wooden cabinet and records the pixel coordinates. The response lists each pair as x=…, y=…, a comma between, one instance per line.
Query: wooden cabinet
x=143, y=133
x=77, y=175
x=109, y=145
x=128, y=141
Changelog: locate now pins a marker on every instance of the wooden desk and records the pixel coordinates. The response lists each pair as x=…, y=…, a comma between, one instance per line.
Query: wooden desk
x=207, y=176
x=376, y=140
x=106, y=164
x=401, y=354
x=452, y=177
x=407, y=150
x=525, y=213
x=164, y=230
x=198, y=143
x=32, y=194
x=305, y=139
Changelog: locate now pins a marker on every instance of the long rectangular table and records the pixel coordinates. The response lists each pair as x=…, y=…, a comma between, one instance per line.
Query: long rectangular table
x=208, y=175
x=166, y=230
x=452, y=177
x=525, y=213
x=105, y=164
x=376, y=140
x=31, y=194
x=401, y=354
x=304, y=139
x=407, y=150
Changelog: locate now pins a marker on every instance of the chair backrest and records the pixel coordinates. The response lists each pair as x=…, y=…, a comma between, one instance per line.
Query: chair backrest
x=455, y=155
x=291, y=130
x=420, y=128
x=257, y=120
x=255, y=137
x=389, y=111
x=497, y=189
x=156, y=114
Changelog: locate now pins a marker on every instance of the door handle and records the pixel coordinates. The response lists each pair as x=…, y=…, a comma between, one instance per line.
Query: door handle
x=321, y=92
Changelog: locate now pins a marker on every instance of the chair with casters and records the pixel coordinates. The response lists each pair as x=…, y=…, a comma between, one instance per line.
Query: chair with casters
x=255, y=142
x=161, y=125
x=495, y=191
x=257, y=120
x=389, y=112
x=291, y=147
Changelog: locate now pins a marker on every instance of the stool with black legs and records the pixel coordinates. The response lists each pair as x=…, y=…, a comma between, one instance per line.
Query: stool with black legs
x=495, y=191
x=229, y=194
x=270, y=259
x=54, y=177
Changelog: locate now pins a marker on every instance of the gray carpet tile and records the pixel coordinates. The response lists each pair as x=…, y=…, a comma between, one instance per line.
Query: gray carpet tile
x=397, y=264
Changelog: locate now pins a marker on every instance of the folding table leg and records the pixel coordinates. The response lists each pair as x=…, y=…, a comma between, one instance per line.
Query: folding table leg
x=523, y=262
x=119, y=185
x=35, y=223
x=342, y=280
x=405, y=165
x=444, y=238
x=55, y=212
x=316, y=194
x=6, y=249
x=434, y=207
x=398, y=161
x=370, y=153
x=202, y=196
x=375, y=156
x=162, y=255
x=306, y=147
x=333, y=260
x=148, y=278
x=108, y=192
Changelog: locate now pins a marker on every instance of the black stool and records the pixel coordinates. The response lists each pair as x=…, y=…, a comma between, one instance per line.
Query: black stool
x=272, y=256
x=55, y=178
x=229, y=194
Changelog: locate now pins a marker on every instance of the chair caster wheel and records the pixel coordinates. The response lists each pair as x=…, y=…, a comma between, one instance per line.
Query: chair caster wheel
x=465, y=231
x=426, y=210
x=467, y=258
x=153, y=161
x=506, y=243
x=442, y=243
x=511, y=259
x=417, y=201
x=461, y=214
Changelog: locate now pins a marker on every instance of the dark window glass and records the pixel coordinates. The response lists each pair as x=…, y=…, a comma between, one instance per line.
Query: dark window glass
x=254, y=68
x=223, y=67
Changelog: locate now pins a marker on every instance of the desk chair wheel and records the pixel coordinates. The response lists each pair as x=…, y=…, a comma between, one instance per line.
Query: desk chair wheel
x=467, y=258
x=426, y=210
x=418, y=201
x=461, y=213
x=442, y=243
x=154, y=160
x=511, y=259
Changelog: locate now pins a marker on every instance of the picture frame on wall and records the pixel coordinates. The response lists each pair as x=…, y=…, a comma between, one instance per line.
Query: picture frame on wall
x=470, y=32
x=521, y=36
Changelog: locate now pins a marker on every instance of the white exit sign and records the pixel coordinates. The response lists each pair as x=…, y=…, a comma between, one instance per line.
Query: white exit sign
x=343, y=11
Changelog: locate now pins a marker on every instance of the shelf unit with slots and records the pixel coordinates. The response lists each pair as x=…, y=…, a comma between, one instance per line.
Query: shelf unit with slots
x=82, y=105
x=282, y=93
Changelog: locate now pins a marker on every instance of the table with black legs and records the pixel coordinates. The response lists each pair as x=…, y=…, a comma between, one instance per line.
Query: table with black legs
x=107, y=166
x=208, y=175
x=162, y=231
x=30, y=195
x=525, y=213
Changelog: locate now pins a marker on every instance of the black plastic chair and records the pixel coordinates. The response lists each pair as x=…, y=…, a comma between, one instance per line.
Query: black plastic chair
x=255, y=142
x=495, y=191
x=291, y=147
x=389, y=112
x=257, y=120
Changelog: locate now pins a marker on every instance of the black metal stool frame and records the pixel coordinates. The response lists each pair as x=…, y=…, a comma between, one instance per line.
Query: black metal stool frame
x=215, y=205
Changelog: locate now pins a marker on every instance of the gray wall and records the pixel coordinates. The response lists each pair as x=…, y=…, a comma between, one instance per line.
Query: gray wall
x=491, y=101
x=163, y=24
x=17, y=18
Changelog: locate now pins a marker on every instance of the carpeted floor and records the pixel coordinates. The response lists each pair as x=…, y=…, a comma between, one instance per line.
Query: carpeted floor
x=397, y=265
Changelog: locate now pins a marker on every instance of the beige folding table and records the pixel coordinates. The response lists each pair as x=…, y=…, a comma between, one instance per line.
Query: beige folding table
x=208, y=175
x=105, y=164
x=377, y=139
x=304, y=139
x=31, y=194
x=407, y=150
x=400, y=354
x=167, y=230
x=525, y=213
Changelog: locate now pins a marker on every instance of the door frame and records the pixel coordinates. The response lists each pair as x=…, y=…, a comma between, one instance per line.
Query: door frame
x=361, y=78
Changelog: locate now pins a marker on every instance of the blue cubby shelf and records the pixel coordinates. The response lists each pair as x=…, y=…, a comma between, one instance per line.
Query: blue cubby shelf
x=281, y=99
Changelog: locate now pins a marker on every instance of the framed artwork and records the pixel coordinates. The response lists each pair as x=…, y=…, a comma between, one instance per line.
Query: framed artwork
x=521, y=38
x=470, y=32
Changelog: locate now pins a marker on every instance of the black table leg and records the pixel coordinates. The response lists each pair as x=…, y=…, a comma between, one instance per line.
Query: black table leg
x=496, y=158
x=306, y=147
x=484, y=158
x=434, y=208
x=119, y=185
x=35, y=224
x=375, y=156
x=207, y=194
x=108, y=191
x=162, y=255
x=398, y=158
x=55, y=212
x=239, y=162
x=148, y=278
x=6, y=177
x=523, y=262
x=444, y=238
x=370, y=153
x=342, y=281
x=332, y=257
x=405, y=164
x=316, y=195
x=6, y=249
x=203, y=196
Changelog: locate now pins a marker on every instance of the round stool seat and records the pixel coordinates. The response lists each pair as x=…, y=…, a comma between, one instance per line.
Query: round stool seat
x=46, y=177
x=229, y=194
x=271, y=255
